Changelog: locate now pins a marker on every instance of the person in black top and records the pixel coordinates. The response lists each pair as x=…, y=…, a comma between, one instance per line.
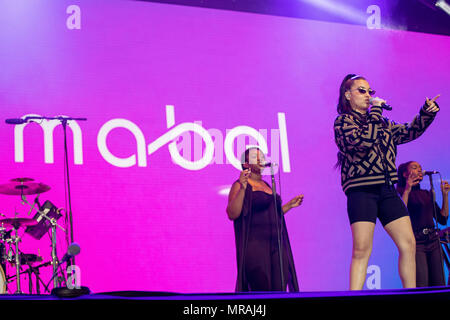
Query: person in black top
x=251, y=208
x=422, y=210
x=367, y=143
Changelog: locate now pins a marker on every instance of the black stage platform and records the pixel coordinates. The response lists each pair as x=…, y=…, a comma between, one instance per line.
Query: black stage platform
x=262, y=305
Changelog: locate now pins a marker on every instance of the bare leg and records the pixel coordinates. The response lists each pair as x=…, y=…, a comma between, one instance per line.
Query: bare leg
x=362, y=233
x=400, y=231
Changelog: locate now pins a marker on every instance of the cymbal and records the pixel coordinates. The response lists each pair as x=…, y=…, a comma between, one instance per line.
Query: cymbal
x=26, y=188
x=18, y=222
x=22, y=179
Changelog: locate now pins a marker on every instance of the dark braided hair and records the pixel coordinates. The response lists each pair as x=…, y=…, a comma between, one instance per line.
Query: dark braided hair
x=401, y=171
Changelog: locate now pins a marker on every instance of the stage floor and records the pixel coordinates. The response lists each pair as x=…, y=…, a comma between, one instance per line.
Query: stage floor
x=261, y=305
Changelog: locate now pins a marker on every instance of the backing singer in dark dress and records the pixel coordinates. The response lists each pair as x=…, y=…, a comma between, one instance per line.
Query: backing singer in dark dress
x=429, y=262
x=367, y=144
x=251, y=207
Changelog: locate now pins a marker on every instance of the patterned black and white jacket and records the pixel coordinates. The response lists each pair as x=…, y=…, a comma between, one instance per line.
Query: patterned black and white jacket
x=368, y=145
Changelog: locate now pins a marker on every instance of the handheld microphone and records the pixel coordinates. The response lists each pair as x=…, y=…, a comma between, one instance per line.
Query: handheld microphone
x=269, y=164
x=429, y=173
x=383, y=105
x=265, y=165
x=15, y=121
x=72, y=251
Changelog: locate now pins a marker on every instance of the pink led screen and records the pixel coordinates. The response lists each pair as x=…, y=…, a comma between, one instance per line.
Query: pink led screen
x=161, y=83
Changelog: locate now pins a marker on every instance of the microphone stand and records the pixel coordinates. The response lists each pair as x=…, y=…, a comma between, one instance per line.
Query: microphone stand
x=66, y=160
x=54, y=254
x=279, y=225
x=63, y=121
x=433, y=199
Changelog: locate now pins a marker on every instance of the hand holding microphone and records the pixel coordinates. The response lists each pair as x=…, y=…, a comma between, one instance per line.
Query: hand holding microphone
x=243, y=177
x=378, y=102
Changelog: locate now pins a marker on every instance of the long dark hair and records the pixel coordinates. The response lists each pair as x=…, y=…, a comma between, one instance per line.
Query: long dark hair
x=344, y=106
x=400, y=172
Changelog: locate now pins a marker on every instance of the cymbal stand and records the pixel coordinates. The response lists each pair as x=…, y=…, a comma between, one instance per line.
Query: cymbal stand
x=17, y=258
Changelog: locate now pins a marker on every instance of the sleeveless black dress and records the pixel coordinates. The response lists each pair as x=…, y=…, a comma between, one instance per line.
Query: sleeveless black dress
x=257, y=253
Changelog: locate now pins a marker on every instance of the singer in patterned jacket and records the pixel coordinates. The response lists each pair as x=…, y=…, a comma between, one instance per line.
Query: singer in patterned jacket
x=367, y=144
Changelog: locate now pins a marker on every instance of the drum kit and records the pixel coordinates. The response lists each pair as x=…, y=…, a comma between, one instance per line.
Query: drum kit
x=45, y=219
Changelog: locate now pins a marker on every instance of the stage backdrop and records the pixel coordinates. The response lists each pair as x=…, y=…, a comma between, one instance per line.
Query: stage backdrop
x=171, y=95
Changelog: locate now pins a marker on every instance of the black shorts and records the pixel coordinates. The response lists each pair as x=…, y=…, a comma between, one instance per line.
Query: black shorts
x=371, y=202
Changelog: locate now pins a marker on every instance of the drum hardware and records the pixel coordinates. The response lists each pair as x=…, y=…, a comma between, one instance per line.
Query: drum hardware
x=14, y=256
x=64, y=120
x=35, y=202
x=22, y=180
x=16, y=223
x=33, y=270
x=16, y=243
x=44, y=212
x=51, y=211
x=23, y=188
x=45, y=218
x=3, y=256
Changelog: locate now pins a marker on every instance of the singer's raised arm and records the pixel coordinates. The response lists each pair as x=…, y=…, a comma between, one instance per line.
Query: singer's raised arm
x=406, y=132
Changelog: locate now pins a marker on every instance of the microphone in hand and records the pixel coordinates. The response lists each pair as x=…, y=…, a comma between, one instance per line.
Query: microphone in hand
x=383, y=105
x=429, y=173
